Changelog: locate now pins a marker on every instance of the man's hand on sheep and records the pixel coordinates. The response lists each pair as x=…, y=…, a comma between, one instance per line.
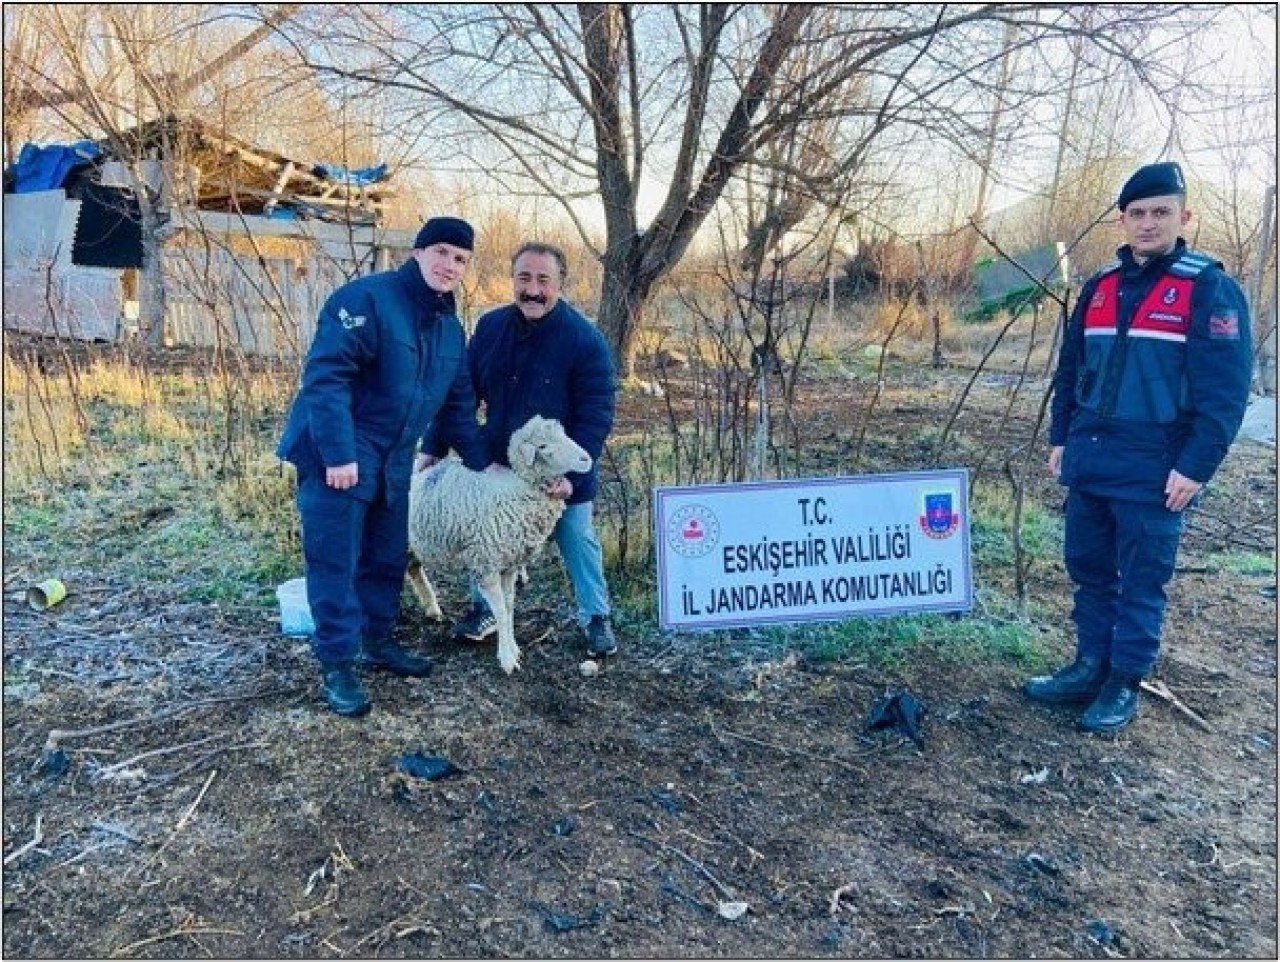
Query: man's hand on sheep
x=343, y=476
x=423, y=461
x=559, y=488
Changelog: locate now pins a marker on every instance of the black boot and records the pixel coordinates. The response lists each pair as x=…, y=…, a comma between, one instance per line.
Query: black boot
x=343, y=691
x=1115, y=706
x=1077, y=684
x=387, y=655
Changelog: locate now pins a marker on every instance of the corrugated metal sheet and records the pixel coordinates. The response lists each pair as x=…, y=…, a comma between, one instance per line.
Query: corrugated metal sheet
x=79, y=302
x=245, y=283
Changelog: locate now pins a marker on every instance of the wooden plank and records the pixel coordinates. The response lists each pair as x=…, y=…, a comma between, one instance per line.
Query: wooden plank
x=278, y=190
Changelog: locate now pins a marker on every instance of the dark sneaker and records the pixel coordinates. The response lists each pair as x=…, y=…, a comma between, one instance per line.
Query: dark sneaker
x=343, y=691
x=389, y=656
x=477, y=624
x=600, y=640
x=1115, y=706
x=1077, y=684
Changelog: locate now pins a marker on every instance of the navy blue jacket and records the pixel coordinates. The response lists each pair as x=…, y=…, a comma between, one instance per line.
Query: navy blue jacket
x=387, y=358
x=559, y=367
x=1153, y=375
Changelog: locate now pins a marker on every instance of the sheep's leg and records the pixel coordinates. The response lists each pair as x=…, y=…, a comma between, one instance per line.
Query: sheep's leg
x=508, y=583
x=422, y=588
x=490, y=588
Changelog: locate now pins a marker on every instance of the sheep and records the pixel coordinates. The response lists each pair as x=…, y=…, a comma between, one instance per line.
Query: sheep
x=490, y=523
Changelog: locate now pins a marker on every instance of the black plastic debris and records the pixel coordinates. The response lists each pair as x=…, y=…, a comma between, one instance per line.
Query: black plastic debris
x=431, y=767
x=899, y=710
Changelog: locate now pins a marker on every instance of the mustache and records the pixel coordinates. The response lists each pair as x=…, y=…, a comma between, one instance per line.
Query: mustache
x=533, y=299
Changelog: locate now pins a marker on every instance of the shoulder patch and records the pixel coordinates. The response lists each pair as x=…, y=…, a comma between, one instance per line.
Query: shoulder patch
x=349, y=320
x=1224, y=325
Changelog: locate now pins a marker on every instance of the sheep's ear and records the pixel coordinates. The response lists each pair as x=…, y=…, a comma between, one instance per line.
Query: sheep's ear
x=527, y=451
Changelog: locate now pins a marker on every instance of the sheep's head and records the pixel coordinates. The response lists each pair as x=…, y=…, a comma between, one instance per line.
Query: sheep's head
x=540, y=451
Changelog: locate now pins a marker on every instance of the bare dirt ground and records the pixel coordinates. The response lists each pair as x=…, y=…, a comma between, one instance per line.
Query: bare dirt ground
x=174, y=788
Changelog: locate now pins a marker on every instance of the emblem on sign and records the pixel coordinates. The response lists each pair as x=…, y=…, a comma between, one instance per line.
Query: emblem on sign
x=693, y=531
x=939, y=520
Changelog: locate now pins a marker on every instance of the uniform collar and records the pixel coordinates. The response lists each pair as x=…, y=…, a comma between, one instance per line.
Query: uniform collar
x=1125, y=253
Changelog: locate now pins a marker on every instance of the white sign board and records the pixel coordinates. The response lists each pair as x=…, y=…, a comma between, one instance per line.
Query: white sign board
x=821, y=549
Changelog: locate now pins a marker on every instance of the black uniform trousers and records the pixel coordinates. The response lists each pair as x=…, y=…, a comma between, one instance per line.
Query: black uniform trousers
x=1121, y=555
x=355, y=553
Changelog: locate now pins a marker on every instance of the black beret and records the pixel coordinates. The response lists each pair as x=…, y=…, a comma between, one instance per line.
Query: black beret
x=1153, y=180
x=445, y=230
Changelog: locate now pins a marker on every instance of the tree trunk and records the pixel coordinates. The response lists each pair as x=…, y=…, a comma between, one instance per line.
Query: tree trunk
x=152, y=302
x=624, y=291
x=1264, y=317
x=986, y=165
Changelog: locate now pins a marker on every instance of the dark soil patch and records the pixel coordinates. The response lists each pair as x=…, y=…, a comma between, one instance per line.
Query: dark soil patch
x=622, y=815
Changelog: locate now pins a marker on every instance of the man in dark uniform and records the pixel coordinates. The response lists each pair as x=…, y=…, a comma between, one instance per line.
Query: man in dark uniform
x=1151, y=386
x=388, y=357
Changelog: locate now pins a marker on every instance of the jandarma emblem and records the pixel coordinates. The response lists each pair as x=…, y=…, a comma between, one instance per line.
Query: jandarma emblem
x=939, y=519
x=1170, y=295
x=693, y=531
x=350, y=320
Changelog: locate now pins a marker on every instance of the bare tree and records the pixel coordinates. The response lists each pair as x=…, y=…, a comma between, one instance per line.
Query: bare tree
x=659, y=108
x=985, y=165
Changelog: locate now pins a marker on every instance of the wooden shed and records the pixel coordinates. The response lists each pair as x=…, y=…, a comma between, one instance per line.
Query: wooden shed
x=251, y=242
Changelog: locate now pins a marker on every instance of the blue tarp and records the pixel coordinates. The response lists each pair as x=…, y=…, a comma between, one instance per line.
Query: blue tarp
x=361, y=177
x=46, y=167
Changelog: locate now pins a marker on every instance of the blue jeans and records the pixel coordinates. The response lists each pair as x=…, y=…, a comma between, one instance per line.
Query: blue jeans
x=575, y=536
x=355, y=554
x=1120, y=554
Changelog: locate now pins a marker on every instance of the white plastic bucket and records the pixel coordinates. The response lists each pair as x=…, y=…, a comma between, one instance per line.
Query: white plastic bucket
x=295, y=612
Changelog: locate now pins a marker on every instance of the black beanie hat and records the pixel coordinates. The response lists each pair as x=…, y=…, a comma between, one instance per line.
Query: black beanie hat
x=1153, y=180
x=445, y=230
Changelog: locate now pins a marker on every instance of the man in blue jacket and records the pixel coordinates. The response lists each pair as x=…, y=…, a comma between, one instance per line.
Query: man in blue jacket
x=1152, y=383
x=387, y=359
x=539, y=355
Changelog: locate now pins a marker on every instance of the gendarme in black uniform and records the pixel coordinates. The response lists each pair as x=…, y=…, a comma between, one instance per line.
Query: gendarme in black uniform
x=1153, y=378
